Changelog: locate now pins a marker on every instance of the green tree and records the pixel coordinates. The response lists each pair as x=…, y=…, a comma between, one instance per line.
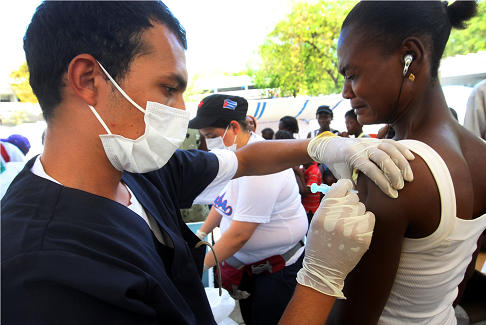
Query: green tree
x=300, y=55
x=471, y=39
x=21, y=86
x=193, y=93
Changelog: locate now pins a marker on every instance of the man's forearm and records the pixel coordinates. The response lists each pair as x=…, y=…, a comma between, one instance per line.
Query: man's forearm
x=307, y=306
x=269, y=157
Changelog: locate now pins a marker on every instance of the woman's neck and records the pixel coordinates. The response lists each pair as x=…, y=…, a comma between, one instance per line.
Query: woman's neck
x=242, y=138
x=425, y=112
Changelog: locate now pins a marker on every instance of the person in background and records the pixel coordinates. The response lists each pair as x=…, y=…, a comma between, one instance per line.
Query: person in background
x=310, y=200
x=475, y=119
x=289, y=123
x=252, y=123
x=267, y=133
x=355, y=129
x=197, y=212
x=353, y=126
x=12, y=160
x=454, y=113
x=11, y=153
x=386, y=132
x=328, y=177
x=283, y=135
x=20, y=142
x=261, y=218
x=324, y=116
x=299, y=174
x=43, y=136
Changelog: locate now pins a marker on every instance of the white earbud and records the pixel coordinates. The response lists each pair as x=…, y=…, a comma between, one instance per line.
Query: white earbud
x=408, y=60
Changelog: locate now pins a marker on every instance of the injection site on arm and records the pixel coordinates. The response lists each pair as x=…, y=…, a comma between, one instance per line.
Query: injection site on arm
x=324, y=188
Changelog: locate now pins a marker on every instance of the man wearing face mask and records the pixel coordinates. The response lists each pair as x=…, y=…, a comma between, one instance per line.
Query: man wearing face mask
x=91, y=229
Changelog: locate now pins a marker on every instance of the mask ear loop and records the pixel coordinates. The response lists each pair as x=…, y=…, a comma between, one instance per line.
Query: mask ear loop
x=220, y=284
x=119, y=88
x=224, y=134
x=100, y=119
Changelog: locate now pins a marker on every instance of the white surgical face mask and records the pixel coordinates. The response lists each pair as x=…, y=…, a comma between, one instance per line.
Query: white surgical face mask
x=165, y=130
x=218, y=142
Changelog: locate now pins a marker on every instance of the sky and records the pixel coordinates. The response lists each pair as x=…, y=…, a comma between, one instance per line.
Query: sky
x=223, y=35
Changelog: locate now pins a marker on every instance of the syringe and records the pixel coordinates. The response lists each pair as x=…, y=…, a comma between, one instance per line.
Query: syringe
x=324, y=188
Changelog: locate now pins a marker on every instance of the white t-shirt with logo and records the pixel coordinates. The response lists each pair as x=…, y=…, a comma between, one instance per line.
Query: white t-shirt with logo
x=274, y=202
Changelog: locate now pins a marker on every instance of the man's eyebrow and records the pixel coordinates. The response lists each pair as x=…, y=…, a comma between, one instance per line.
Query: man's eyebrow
x=178, y=78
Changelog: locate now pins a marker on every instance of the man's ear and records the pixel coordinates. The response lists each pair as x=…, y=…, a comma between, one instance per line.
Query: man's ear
x=85, y=76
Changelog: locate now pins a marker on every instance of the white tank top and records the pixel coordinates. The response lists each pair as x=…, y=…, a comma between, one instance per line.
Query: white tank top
x=431, y=268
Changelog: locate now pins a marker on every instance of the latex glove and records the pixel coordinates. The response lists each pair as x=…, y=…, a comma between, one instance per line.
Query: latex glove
x=201, y=234
x=342, y=155
x=340, y=233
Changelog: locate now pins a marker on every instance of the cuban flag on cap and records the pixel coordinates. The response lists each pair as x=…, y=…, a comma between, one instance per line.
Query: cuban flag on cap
x=229, y=104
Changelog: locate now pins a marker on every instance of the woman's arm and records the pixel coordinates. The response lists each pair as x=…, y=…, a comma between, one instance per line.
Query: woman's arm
x=299, y=177
x=369, y=285
x=231, y=241
x=212, y=221
x=339, y=235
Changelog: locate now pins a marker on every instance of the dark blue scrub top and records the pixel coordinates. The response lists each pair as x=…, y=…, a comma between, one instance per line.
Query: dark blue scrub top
x=72, y=257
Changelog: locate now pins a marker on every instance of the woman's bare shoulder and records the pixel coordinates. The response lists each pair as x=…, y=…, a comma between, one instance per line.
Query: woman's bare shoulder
x=417, y=199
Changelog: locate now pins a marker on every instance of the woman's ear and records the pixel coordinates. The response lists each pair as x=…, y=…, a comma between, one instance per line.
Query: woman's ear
x=235, y=126
x=415, y=47
x=84, y=76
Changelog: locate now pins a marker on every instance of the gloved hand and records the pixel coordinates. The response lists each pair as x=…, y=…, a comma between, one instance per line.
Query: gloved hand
x=342, y=155
x=201, y=234
x=340, y=233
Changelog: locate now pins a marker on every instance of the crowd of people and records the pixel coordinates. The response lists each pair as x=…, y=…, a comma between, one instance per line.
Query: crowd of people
x=94, y=229
x=12, y=160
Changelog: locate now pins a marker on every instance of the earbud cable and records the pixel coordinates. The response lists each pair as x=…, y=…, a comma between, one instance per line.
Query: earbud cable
x=394, y=110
